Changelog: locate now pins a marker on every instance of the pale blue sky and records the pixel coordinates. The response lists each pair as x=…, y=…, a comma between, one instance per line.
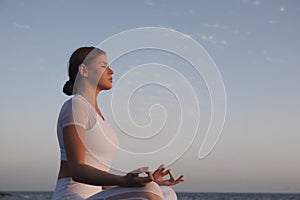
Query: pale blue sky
x=255, y=45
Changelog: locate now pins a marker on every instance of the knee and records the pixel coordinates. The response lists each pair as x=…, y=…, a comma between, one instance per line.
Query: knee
x=168, y=192
x=153, y=191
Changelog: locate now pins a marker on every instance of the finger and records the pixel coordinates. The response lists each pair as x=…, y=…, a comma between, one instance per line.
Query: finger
x=171, y=175
x=145, y=180
x=159, y=170
x=161, y=166
x=171, y=183
x=134, y=174
x=140, y=170
x=165, y=173
x=176, y=182
x=179, y=179
x=150, y=175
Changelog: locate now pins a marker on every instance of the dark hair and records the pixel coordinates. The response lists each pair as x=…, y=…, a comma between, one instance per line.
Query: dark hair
x=83, y=55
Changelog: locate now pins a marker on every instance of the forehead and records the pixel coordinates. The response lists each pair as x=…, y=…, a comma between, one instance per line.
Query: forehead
x=101, y=59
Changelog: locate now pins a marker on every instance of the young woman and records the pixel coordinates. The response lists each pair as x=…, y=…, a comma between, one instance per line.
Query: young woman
x=88, y=143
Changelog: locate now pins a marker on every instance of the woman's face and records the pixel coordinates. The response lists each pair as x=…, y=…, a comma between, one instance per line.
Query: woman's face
x=100, y=74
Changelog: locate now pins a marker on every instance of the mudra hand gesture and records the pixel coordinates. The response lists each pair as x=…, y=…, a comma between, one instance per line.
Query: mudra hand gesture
x=161, y=172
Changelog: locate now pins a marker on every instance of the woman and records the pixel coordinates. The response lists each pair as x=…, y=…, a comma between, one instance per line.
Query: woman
x=88, y=143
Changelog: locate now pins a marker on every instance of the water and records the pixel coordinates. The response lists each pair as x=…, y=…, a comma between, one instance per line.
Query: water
x=181, y=196
x=27, y=195
x=236, y=196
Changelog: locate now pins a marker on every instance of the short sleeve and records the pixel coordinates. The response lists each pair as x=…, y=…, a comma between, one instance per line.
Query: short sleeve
x=74, y=112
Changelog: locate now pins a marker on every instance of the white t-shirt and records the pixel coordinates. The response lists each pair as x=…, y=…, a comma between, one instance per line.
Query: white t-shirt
x=100, y=141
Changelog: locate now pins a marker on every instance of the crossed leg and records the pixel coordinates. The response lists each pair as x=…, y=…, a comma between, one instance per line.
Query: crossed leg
x=151, y=191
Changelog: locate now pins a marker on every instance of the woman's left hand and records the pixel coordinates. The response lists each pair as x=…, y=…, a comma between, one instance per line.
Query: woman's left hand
x=160, y=173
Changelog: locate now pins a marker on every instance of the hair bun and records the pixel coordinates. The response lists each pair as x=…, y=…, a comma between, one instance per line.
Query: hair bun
x=68, y=88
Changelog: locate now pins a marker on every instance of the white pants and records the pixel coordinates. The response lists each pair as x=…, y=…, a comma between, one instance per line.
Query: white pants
x=66, y=188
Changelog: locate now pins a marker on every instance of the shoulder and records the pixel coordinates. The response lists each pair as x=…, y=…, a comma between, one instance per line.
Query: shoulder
x=75, y=104
x=76, y=110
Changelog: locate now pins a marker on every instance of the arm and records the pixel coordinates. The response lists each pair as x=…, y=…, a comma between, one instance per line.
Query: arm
x=83, y=173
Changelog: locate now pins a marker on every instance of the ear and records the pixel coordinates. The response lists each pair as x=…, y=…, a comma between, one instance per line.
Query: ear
x=82, y=69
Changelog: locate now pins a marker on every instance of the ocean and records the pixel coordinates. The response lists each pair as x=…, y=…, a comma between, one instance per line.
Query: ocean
x=181, y=196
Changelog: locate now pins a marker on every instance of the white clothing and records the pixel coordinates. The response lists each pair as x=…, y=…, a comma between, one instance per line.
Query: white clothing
x=101, y=144
x=66, y=188
x=100, y=141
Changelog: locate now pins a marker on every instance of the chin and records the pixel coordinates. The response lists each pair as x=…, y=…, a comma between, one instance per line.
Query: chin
x=106, y=87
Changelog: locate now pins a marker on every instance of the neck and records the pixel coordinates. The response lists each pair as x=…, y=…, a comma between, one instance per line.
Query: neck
x=90, y=94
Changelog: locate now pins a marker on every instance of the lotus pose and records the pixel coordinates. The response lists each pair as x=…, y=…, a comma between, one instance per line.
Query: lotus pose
x=88, y=144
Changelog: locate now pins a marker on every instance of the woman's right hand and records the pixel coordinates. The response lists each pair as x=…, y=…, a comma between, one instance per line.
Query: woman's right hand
x=132, y=179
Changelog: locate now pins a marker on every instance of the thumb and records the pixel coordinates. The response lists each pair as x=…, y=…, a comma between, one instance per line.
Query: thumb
x=133, y=174
x=150, y=176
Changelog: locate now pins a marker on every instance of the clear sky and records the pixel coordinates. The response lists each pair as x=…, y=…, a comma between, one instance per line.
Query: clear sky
x=254, y=44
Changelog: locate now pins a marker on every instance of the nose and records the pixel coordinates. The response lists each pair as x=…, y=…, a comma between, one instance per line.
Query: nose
x=110, y=71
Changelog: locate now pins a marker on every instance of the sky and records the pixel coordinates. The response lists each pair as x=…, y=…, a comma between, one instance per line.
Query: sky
x=253, y=45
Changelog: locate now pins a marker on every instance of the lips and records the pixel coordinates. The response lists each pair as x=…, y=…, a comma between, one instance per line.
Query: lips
x=111, y=79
